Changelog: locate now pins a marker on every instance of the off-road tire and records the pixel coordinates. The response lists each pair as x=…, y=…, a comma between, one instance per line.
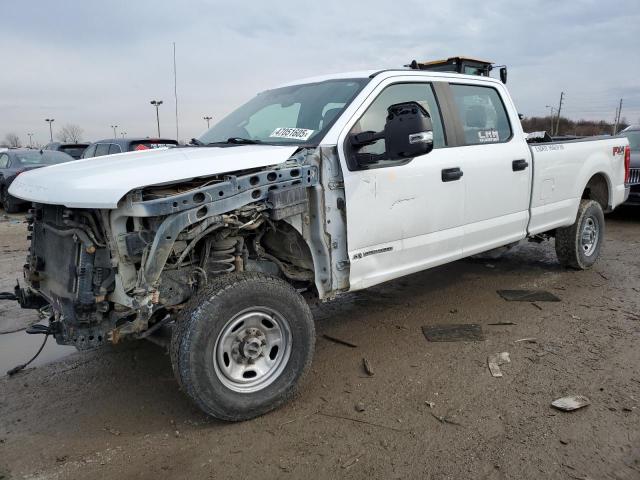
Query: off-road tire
x=9, y=203
x=202, y=322
x=569, y=249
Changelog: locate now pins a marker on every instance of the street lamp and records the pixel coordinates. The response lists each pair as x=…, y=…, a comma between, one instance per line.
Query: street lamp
x=157, y=103
x=30, y=135
x=124, y=134
x=50, y=121
x=115, y=135
x=207, y=119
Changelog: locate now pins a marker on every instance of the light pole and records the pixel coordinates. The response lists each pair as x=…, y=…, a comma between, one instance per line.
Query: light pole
x=30, y=135
x=115, y=135
x=50, y=121
x=208, y=119
x=157, y=103
x=123, y=134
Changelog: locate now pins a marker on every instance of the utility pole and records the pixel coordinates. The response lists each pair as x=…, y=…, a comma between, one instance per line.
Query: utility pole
x=50, y=121
x=207, y=118
x=175, y=91
x=551, y=117
x=115, y=135
x=30, y=135
x=157, y=103
x=618, y=116
x=559, y=110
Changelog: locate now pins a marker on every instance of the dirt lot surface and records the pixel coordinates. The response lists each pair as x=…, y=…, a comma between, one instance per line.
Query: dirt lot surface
x=431, y=410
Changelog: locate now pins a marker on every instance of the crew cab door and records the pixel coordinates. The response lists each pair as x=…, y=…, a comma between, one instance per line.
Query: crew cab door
x=498, y=166
x=402, y=215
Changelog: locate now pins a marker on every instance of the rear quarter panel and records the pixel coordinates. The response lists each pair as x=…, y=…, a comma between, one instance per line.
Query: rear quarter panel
x=561, y=173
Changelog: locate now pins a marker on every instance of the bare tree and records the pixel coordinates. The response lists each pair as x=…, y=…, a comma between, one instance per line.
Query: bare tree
x=12, y=140
x=70, y=133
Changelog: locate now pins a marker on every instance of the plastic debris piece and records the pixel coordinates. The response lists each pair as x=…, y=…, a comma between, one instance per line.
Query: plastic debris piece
x=494, y=362
x=367, y=367
x=570, y=403
x=453, y=332
x=528, y=296
x=527, y=340
x=340, y=341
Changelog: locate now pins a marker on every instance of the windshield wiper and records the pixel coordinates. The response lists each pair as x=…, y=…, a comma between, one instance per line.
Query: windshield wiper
x=236, y=141
x=195, y=141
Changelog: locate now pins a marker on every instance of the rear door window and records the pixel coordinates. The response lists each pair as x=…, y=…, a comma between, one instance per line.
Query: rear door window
x=4, y=160
x=113, y=148
x=102, y=149
x=482, y=113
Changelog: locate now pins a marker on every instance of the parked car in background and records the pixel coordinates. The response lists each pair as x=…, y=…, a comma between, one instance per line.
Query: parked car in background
x=633, y=134
x=15, y=161
x=73, y=149
x=111, y=146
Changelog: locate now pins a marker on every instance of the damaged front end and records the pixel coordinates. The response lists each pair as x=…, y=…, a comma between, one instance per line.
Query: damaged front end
x=122, y=273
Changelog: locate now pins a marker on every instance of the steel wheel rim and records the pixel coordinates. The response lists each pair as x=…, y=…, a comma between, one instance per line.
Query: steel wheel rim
x=252, y=350
x=589, y=236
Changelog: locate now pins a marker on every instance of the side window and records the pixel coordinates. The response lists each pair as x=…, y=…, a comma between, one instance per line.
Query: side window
x=102, y=149
x=482, y=113
x=4, y=160
x=374, y=118
x=89, y=152
x=113, y=148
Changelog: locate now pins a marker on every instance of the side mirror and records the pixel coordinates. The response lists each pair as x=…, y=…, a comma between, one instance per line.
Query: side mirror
x=503, y=74
x=408, y=133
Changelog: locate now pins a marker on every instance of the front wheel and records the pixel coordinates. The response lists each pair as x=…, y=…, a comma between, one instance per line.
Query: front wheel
x=9, y=203
x=242, y=345
x=578, y=246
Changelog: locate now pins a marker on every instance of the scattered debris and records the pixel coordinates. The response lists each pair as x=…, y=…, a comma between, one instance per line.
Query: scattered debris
x=340, y=341
x=536, y=305
x=453, y=332
x=357, y=420
x=367, y=367
x=502, y=323
x=528, y=340
x=430, y=404
x=603, y=275
x=576, y=317
x=300, y=418
x=445, y=420
x=351, y=462
x=494, y=362
x=360, y=407
x=528, y=296
x=453, y=310
x=490, y=265
x=570, y=403
x=564, y=442
x=112, y=431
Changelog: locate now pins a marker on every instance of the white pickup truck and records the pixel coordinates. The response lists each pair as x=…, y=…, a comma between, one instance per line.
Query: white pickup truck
x=318, y=187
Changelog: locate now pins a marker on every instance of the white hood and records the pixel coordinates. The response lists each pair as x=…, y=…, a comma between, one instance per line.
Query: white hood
x=102, y=181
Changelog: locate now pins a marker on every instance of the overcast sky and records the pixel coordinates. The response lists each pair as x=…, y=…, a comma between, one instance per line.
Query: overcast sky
x=96, y=63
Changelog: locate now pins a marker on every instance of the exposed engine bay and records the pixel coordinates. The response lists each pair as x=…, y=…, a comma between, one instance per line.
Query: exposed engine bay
x=112, y=274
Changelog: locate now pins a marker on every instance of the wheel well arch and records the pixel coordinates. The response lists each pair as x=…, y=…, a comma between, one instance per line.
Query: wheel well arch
x=598, y=188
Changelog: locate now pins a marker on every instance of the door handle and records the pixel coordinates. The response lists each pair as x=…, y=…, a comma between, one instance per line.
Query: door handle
x=518, y=165
x=451, y=174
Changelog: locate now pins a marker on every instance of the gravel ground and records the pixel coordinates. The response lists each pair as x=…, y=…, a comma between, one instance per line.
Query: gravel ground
x=431, y=410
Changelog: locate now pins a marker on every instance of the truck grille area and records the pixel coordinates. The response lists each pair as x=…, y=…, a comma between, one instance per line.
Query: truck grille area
x=67, y=267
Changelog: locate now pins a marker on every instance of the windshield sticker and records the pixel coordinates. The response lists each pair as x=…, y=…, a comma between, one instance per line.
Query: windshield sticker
x=488, y=136
x=293, y=133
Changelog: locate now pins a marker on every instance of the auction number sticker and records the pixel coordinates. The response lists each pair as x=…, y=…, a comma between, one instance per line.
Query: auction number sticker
x=488, y=136
x=293, y=133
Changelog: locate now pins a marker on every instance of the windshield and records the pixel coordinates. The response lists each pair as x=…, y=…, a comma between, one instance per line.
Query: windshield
x=295, y=115
x=74, y=151
x=634, y=139
x=45, y=158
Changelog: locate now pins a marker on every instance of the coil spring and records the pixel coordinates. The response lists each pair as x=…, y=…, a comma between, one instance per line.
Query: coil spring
x=221, y=260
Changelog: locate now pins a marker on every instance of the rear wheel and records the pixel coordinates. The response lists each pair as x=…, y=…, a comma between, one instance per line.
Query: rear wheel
x=242, y=345
x=578, y=246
